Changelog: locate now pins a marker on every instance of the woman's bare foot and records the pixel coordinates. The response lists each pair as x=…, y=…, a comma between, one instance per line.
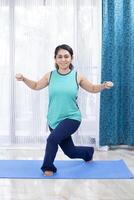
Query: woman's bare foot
x=48, y=173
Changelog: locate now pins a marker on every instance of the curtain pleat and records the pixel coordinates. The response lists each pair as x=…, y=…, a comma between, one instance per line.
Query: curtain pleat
x=117, y=105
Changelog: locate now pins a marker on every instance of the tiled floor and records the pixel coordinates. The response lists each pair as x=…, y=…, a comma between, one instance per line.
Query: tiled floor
x=20, y=189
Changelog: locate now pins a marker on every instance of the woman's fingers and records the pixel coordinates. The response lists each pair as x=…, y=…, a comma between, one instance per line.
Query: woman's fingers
x=108, y=84
x=19, y=77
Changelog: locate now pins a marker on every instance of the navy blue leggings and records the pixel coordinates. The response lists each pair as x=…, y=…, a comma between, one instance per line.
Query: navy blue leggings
x=61, y=136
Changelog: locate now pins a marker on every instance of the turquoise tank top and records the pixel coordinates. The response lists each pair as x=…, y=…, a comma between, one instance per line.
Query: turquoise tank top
x=63, y=91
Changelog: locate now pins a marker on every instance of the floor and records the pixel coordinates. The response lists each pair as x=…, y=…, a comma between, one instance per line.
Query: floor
x=13, y=189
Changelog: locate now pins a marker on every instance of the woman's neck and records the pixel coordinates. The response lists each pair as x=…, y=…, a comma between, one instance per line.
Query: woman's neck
x=64, y=71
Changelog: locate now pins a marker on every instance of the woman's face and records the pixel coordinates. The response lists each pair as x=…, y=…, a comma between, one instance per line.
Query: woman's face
x=63, y=59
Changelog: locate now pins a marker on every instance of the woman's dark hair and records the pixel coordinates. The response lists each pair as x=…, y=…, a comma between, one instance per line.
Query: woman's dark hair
x=65, y=47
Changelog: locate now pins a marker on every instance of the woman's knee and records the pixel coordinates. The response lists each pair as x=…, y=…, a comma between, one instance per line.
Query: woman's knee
x=52, y=139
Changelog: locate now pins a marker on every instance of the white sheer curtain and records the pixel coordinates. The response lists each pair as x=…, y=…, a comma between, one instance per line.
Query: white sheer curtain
x=29, y=32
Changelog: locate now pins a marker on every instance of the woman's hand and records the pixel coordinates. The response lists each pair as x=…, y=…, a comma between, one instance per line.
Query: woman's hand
x=19, y=77
x=108, y=84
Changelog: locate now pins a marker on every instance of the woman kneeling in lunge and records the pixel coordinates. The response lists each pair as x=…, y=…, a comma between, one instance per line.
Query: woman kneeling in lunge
x=64, y=116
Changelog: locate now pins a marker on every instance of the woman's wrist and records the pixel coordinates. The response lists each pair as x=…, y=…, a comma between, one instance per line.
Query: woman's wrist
x=102, y=86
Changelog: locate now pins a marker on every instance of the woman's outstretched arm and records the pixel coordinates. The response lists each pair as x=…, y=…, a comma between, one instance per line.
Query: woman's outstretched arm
x=93, y=88
x=35, y=85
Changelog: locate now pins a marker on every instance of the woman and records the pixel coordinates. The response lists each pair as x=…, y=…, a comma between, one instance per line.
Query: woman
x=64, y=116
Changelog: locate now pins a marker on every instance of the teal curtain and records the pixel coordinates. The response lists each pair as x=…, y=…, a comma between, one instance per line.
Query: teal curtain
x=117, y=104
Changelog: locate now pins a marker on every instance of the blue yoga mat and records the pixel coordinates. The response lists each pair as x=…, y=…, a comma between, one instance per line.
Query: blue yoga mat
x=67, y=169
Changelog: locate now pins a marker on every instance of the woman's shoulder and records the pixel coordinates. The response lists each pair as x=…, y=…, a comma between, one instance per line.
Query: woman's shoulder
x=79, y=76
x=49, y=74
